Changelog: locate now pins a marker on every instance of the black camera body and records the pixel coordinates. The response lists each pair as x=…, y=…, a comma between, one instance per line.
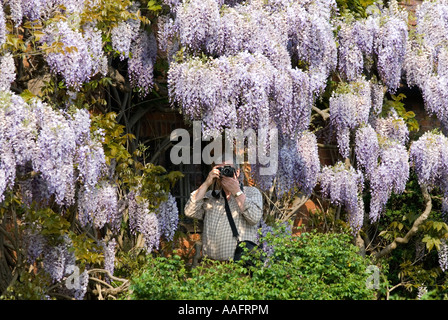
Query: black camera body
x=227, y=171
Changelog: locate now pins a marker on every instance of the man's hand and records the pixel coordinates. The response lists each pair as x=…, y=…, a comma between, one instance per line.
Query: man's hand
x=212, y=175
x=230, y=184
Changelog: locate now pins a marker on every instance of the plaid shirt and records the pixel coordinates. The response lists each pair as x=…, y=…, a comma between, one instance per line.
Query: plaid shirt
x=217, y=239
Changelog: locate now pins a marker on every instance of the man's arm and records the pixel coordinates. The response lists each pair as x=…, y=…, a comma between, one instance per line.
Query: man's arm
x=252, y=208
x=250, y=202
x=193, y=207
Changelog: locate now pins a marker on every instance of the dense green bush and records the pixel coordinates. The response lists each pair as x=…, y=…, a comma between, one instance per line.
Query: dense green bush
x=310, y=266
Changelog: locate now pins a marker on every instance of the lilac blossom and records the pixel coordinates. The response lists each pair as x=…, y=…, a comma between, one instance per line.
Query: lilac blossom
x=390, y=48
x=350, y=106
x=100, y=206
x=168, y=217
x=122, y=36
x=377, y=90
x=197, y=22
x=443, y=255
x=34, y=243
x=391, y=174
x=80, y=56
x=343, y=186
x=351, y=61
x=429, y=157
x=141, y=62
x=2, y=26
x=299, y=165
x=366, y=149
x=151, y=232
x=8, y=69
x=55, y=150
x=109, y=256
x=54, y=261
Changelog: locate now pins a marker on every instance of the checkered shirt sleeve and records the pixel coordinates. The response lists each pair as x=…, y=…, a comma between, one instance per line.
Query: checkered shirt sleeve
x=217, y=238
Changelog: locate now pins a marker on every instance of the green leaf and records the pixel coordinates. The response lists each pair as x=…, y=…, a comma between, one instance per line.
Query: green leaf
x=154, y=5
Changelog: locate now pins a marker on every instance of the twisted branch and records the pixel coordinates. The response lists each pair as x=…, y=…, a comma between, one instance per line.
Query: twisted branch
x=110, y=290
x=413, y=230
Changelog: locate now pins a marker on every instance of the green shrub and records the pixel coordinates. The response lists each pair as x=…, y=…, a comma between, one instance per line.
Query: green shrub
x=310, y=266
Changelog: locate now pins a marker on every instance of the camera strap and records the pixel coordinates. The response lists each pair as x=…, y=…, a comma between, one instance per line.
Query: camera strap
x=229, y=216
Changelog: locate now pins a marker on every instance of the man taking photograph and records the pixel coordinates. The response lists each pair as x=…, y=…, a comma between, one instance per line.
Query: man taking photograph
x=245, y=205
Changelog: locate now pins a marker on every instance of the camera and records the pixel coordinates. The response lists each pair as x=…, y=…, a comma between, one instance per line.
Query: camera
x=227, y=171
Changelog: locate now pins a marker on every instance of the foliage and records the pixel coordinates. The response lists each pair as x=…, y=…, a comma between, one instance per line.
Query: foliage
x=415, y=264
x=310, y=266
x=396, y=103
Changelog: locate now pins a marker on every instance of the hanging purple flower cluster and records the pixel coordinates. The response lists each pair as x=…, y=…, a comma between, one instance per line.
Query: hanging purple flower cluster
x=197, y=21
x=418, y=63
x=343, y=186
x=390, y=48
x=2, y=26
x=78, y=59
x=380, y=37
x=349, y=108
x=44, y=9
x=168, y=217
x=299, y=164
x=350, y=56
x=391, y=174
x=57, y=259
x=100, y=206
x=382, y=155
x=109, y=255
x=141, y=62
x=426, y=61
x=429, y=156
x=366, y=149
x=8, y=69
x=377, y=98
x=253, y=49
x=122, y=36
x=62, y=152
x=152, y=225
x=443, y=255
